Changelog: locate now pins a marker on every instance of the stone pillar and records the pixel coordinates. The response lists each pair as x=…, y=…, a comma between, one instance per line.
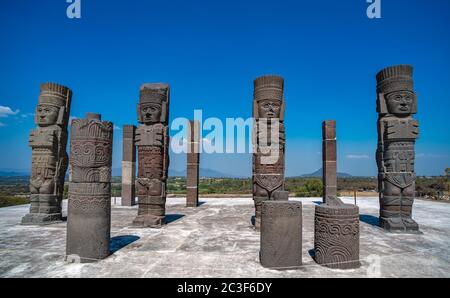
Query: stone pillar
x=128, y=166
x=49, y=157
x=152, y=141
x=268, y=141
x=193, y=160
x=329, y=160
x=336, y=236
x=336, y=225
x=89, y=211
x=397, y=134
x=281, y=235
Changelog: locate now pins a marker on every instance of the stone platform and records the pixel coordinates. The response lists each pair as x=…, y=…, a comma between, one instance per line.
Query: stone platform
x=217, y=240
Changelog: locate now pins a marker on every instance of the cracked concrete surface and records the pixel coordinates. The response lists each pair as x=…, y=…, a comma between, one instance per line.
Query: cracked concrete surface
x=217, y=240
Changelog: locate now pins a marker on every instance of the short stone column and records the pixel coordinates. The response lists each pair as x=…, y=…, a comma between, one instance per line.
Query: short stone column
x=193, y=160
x=336, y=236
x=128, y=166
x=281, y=235
x=89, y=211
x=336, y=225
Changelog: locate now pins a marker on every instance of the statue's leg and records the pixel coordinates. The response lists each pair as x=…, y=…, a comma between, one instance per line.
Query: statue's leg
x=390, y=207
x=152, y=204
x=34, y=199
x=407, y=202
x=260, y=195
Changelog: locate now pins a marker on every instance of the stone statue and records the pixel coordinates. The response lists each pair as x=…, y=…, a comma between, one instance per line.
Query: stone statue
x=268, y=141
x=336, y=225
x=397, y=134
x=49, y=157
x=152, y=141
x=89, y=210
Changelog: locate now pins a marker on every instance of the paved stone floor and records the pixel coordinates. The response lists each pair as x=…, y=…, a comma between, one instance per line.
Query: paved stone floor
x=216, y=240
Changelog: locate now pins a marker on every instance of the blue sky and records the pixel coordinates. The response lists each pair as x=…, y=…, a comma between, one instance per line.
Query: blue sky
x=210, y=52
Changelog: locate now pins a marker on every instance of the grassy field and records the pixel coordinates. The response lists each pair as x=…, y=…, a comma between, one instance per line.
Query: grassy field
x=14, y=190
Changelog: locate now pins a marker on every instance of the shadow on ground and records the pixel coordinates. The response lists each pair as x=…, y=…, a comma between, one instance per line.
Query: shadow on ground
x=369, y=219
x=170, y=218
x=119, y=242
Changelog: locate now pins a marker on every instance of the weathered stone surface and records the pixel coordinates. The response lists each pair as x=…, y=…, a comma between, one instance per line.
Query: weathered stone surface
x=89, y=208
x=152, y=141
x=397, y=134
x=193, y=160
x=281, y=235
x=268, y=140
x=49, y=156
x=128, y=166
x=336, y=236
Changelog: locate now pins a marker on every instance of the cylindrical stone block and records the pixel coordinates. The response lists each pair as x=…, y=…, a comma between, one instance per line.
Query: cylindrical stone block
x=89, y=210
x=336, y=236
x=281, y=235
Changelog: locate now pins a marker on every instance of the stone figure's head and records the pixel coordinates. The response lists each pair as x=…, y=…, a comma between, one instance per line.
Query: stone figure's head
x=153, y=104
x=395, y=91
x=268, y=99
x=54, y=105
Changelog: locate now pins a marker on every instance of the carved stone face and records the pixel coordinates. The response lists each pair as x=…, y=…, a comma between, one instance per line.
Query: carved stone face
x=151, y=113
x=400, y=102
x=46, y=115
x=269, y=108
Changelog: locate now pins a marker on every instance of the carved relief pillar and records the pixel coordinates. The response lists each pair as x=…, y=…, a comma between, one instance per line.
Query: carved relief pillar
x=128, y=166
x=89, y=211
x=397, y=134
x=281, y=235
x=193, y=159
x=49, y=157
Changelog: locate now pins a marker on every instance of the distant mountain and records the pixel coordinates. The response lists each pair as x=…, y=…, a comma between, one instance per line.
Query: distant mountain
x=208, y=173
x=318, y=174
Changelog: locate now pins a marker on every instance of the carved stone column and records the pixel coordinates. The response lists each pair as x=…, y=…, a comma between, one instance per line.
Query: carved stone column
x=193, y=160
x=397, y=134
x=89, y=211
x=128, y=166
x=281, y=235
x=336, y=225
x=49, y=157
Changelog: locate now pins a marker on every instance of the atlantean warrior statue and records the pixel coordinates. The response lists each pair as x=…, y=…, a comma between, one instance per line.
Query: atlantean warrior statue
x=268, y=142
x=49, y=156
x=397, y=134
x=89, y=210
x=152, y=141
